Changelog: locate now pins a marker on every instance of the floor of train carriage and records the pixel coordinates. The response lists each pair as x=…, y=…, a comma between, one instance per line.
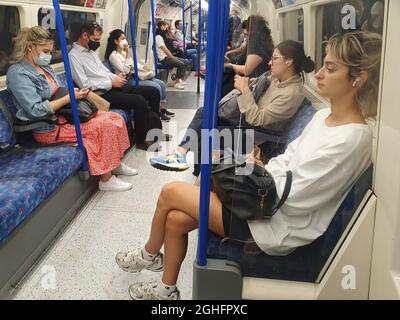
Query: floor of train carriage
x=81, y=263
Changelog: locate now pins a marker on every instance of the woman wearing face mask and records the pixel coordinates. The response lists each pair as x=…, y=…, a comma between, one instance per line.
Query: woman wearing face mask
x=119, y=55
x=32, y=83
x=166, y=57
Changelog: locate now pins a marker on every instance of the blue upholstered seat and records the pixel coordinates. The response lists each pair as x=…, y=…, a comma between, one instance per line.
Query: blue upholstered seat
x=28, y=176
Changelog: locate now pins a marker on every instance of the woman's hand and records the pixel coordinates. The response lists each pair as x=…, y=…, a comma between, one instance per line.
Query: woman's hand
x=242, y=84
x=251, y=159
x=81, y=94
x=228, y=65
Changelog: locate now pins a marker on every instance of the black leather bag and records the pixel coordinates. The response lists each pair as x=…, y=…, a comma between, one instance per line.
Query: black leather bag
x=250, y=195
x=86, y=108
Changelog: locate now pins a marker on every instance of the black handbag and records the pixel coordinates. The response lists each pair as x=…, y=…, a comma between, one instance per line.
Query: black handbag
x=86, y=108
x=247, y=190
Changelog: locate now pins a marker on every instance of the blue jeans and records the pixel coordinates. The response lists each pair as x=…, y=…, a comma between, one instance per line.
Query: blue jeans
x=192, y=54
x=155, y=83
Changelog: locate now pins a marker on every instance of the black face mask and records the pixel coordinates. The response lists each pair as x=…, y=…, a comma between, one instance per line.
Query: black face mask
x=94, y=45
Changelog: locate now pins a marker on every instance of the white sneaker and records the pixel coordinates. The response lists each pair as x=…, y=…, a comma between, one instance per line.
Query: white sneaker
x=124, y=170
x=148, y=291
x=179, y=86
x=114, y=184
x=183, y=82
x=132, y=261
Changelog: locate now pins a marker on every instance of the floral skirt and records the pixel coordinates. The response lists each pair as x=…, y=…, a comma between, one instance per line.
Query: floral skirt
x=105, y=138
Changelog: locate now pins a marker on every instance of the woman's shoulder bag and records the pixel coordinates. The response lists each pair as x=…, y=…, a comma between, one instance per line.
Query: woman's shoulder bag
x=250, y=195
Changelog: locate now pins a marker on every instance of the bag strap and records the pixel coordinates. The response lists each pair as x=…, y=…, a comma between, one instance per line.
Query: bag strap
x=286, y=191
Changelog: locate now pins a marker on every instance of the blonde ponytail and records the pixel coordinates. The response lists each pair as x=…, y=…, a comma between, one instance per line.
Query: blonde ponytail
x=26, y=36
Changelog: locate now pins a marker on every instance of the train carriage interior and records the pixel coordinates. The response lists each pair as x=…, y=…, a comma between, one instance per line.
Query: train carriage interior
x=61, y=228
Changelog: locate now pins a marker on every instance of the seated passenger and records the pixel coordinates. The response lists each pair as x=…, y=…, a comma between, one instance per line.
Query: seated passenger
x=331, y=153
x=89, y=72
x=32, y=83
x=119, y=55
x=259, y=50
x=166, y=57
x=191, y=52
x=271, y=108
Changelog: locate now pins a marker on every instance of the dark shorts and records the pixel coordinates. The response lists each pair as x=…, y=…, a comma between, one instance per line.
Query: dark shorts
x=234, y=227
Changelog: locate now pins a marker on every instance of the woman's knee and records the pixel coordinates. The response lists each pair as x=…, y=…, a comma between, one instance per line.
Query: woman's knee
x=178, y=222
x=168, y=192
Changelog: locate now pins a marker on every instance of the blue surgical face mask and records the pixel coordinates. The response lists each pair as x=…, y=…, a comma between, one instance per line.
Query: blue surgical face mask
x=43, y=60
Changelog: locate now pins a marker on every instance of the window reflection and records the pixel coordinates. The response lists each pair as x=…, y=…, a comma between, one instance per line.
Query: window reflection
x=72, y=21
x=9, y=27
x=346, y=16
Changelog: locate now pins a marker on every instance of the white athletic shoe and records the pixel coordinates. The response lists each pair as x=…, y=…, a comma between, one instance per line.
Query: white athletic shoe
x=132, y=261
x=114, y=184
x=124, y=170
x=179, y=86
x=148, y=291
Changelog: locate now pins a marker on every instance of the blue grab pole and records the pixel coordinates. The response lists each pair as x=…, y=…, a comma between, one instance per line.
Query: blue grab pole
x=133, y=39
x=153, y=22
x=223, y=27
x=71, y=87
x=191, y=23
x=199, y=32
x=184, y=28
x=148, y=40
x=214, y=57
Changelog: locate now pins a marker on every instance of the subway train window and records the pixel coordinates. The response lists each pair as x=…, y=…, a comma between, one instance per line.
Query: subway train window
x=346, y=16
x=86, y=3
x=293, y=25
x=9, y=26
x=72, y=21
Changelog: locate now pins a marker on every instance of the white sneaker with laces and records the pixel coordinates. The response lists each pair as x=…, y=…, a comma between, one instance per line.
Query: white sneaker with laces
x=114, y=184
x=124, y=170
x=148, y=291
x=132, y=261
x=179, y=86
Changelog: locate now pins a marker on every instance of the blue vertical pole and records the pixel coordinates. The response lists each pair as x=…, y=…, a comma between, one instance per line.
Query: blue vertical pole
x=148, y=40
x=133, y=40
x=223, y=27
x=71, y=87
x=213, y=78
x=191, y=23
x=153, y=22
x=184, y=28
x=199, y=33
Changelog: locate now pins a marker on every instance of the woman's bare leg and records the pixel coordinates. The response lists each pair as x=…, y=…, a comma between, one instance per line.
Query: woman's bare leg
x=183, y=197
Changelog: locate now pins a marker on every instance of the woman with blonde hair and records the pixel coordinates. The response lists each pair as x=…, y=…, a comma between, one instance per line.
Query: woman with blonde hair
x=32, y=83
x=326, y=159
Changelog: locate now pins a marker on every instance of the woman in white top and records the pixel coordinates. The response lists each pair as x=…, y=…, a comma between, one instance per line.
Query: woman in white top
x=118, y=54
x=331, y=153
x=165, y=56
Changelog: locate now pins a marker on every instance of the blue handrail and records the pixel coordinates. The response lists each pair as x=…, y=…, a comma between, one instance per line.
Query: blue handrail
x=71, y=87
x=191, y=23
x=153, y=22
x=184, y=28
x=133, y=39
x=215, y=54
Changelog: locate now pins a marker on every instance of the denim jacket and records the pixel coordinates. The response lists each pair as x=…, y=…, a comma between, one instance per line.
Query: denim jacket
x=31, y=92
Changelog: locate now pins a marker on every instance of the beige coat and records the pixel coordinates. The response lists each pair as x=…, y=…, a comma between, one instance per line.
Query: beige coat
x=276, y=107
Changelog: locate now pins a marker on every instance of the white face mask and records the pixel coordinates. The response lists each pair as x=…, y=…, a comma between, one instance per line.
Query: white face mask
x=123, y=43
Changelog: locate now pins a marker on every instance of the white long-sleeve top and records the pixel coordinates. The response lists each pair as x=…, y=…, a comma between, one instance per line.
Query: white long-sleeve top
x=325, y=163
x=120, y=62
